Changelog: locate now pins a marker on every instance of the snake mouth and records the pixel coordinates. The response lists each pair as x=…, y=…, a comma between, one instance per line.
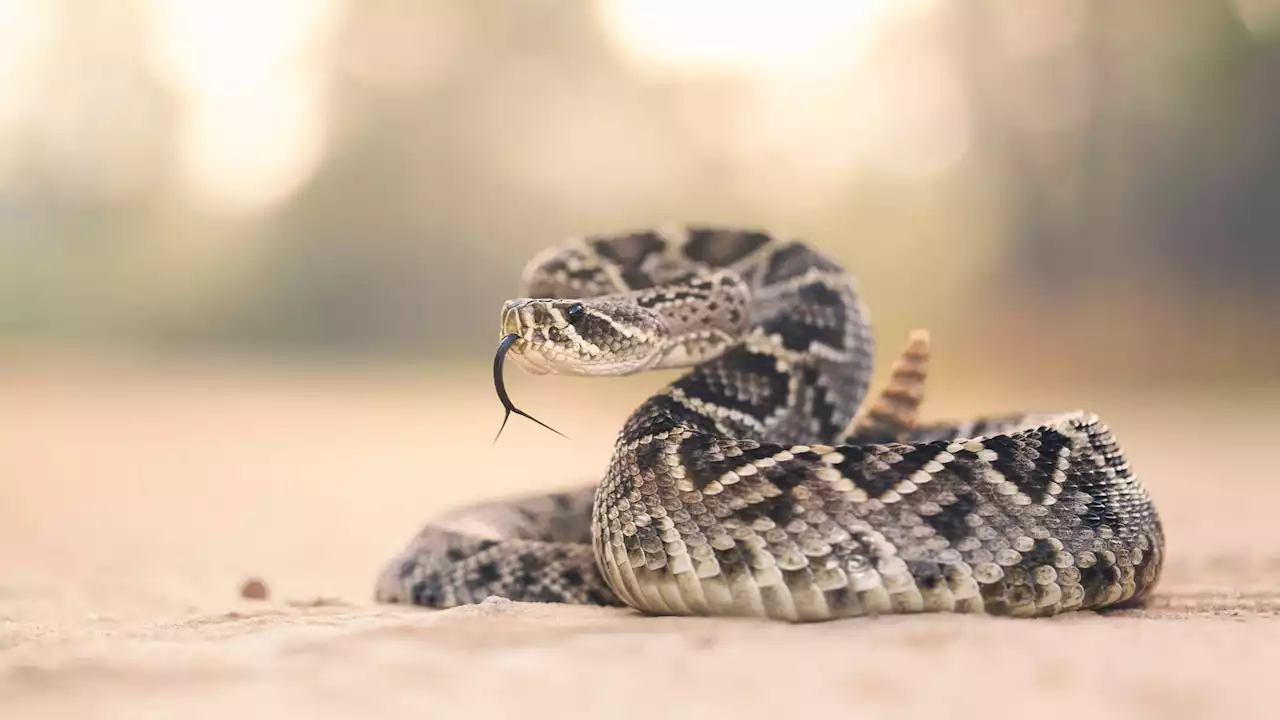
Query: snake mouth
x=528, y=356
x=508, y=341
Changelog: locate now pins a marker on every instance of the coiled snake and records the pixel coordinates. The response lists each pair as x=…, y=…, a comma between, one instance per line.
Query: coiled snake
x=751, y=487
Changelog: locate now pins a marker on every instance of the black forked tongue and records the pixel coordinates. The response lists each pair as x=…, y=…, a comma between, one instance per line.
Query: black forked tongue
x=498, y=385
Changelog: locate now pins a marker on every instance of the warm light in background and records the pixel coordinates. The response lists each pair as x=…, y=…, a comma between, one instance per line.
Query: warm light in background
x=737, y=35
x=813, y=105
x=23, y=38
x=251, y=78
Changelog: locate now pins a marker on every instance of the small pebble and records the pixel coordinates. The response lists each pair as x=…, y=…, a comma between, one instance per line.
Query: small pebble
x=254, y=589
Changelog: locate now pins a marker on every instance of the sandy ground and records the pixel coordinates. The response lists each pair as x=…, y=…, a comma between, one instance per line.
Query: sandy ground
x=133, y=505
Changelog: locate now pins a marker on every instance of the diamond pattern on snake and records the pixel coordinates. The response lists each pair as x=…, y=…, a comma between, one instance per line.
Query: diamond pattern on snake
x=753, y=486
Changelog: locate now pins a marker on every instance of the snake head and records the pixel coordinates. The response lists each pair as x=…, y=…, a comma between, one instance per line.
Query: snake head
x=600, y=336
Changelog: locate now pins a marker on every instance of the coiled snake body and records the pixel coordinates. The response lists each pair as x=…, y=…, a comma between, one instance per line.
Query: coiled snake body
x=751, y=486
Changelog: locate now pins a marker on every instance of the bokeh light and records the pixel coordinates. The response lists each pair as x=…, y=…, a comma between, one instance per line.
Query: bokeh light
x=251, y=79
x=755, y=36
x=24, y=38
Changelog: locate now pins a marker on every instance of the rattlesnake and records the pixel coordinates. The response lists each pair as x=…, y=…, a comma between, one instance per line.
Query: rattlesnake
x=751, y=487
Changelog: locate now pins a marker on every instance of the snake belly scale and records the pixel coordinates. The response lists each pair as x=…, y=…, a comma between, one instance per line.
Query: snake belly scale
x=753, y=486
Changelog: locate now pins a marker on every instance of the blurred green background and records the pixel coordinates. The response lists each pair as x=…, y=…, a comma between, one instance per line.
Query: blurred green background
x=1086, y=190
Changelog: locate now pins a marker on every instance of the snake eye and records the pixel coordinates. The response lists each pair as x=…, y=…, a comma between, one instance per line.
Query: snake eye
x=575, y=313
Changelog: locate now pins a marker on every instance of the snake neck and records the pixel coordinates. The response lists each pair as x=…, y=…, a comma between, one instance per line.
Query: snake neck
x=792, y=367
x=703, y=316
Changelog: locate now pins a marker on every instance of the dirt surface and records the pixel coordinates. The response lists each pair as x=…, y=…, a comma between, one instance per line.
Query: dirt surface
x=135, y=506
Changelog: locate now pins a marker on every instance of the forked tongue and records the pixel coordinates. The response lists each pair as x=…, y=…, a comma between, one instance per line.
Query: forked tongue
x=498, y=385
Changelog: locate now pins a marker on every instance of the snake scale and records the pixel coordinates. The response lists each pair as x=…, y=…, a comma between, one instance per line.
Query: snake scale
x=753, y=486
